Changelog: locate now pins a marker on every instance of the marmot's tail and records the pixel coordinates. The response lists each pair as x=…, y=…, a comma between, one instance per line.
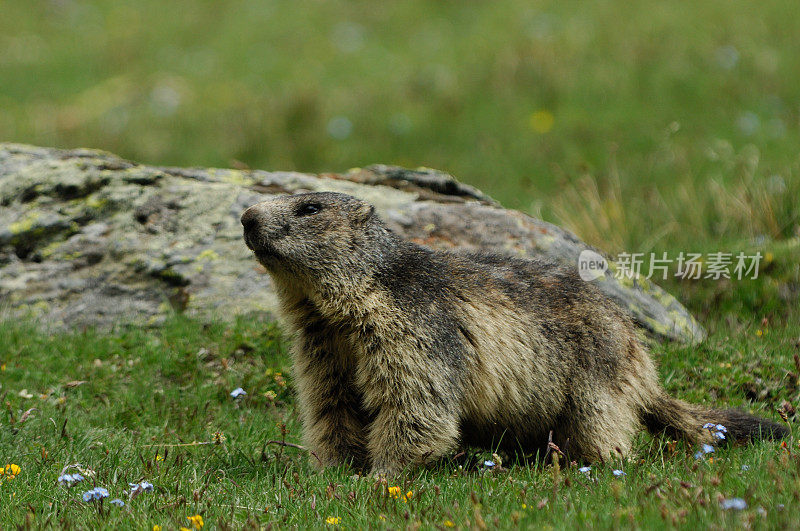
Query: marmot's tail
x=685, y=421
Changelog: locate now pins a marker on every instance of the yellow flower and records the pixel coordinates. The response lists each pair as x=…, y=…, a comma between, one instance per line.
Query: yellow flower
x=394, y=492
x=759, y=333
x=196, y=521
x=524, y=506
x=542, y=121
x=332, y=520
x=161, y=458
x=10, y=471
x=3, y=367
x=185, y=529
x=156, y=528
x=448, y=523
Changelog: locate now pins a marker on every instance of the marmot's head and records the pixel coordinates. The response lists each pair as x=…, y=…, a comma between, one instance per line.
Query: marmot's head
x=316, y=234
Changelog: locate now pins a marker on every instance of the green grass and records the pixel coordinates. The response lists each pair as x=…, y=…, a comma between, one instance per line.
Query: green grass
x=132, y=405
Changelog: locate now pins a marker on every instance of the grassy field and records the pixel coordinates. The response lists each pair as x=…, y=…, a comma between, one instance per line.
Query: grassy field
x=154, y=405
x=643, y=127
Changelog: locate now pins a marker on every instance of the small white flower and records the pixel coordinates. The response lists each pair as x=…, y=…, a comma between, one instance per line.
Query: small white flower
x=619, y=473
x=488, y=464
x=144, y=486
x=585, y=469
x=737, y=504
x=238, y=392
x=745, y=468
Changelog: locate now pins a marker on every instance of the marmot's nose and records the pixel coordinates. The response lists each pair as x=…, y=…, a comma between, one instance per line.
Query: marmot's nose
x=249, y=219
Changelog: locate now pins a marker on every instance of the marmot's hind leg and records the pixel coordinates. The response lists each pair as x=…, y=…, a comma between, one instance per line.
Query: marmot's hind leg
x=599, y=430
x=400, y=437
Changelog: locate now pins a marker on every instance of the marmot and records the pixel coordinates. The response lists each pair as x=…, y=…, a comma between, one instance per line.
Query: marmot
x=402, y=352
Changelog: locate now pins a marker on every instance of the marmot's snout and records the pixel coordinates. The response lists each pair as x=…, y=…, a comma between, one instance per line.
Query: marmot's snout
x=262, y=225
x=249, y=219
x=250, y=224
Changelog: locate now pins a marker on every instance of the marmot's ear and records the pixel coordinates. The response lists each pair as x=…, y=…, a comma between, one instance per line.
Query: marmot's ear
x=364, y=212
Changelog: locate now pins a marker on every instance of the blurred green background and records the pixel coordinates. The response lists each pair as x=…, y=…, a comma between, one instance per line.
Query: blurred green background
x=639, y=125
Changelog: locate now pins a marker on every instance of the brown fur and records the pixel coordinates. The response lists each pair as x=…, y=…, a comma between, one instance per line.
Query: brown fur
x=402, y=352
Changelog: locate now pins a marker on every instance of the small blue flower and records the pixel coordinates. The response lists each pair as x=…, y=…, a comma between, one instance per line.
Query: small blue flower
x=585, y=469
x=238, y=392
x=699, y=455
x=745, y=468
x=619, y=473
x=737, y=504
x=117, y=502
x=717, y=431
x=488, y=464
x=707, y=449
x=69, y=479
x=96, y=493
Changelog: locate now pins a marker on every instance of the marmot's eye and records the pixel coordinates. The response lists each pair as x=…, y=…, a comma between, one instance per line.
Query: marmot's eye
x=308, y=209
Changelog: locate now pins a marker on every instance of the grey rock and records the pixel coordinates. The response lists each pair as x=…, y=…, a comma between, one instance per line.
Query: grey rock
x=87, y=238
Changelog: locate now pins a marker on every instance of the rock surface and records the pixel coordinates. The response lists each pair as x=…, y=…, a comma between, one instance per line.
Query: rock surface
x=87, y=238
